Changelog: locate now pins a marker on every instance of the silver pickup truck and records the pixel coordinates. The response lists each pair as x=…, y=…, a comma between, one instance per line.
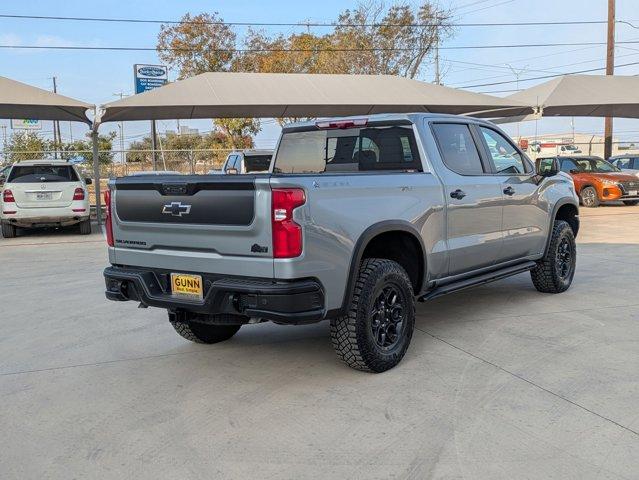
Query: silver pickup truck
x=357, y=219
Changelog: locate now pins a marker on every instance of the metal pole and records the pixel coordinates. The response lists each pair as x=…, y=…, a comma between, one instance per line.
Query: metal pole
x=96, y=175
x=57, y=138
x=154, y=145
x=610, y=70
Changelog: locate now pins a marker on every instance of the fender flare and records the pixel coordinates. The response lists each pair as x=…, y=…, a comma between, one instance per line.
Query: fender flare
x=553, y=217
x=361, y=244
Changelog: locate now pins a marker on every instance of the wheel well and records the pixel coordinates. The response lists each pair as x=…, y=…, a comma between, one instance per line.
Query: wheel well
x=403, y=248
x=570, y=214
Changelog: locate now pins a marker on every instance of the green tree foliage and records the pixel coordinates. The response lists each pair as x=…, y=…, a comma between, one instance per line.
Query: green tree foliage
x=84, y=148
x=26, y=145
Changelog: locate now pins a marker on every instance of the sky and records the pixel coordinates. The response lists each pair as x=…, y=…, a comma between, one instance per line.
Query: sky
x=98, y=76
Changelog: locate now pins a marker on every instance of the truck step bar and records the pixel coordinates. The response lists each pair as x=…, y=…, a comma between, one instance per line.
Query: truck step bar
x=478, y=280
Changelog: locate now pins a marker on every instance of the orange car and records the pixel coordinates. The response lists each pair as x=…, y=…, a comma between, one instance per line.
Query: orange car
x=598, y=181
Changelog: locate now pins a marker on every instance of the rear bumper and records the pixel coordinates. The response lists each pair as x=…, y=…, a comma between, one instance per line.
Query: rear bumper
x=288, y=302
x=46, y=216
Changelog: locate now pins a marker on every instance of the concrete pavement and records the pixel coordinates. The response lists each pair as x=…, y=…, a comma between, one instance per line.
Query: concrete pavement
x=500, y=382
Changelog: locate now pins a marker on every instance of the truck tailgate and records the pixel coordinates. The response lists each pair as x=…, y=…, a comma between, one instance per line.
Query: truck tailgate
x=197, y=223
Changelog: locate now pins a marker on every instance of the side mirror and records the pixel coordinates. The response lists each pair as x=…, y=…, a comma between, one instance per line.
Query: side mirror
x=231, y=171
x=547, y=167
x=88, y=181
x=574, y=171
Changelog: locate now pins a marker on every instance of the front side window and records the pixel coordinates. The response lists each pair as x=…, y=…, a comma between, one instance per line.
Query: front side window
x=457, y=148
x=504, y=156
x=42, y=173
x=348, y=150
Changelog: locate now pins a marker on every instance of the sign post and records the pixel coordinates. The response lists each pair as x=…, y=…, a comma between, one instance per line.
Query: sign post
x=148, y=77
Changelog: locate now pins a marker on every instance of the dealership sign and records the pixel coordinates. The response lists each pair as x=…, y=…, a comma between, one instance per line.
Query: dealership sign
x=26, y=124
x=148, y=77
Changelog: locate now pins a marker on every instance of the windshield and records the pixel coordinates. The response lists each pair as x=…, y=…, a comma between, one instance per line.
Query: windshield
x=257, y=163
x=42, y=173
x=593, y=165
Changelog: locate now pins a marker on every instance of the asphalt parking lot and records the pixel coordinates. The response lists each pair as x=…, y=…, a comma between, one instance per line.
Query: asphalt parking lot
x=501, y=382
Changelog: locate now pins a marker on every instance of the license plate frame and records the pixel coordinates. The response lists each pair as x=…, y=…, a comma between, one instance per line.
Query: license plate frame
x=187, y=285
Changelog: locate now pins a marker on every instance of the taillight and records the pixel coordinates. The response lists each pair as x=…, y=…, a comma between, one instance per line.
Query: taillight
x=108, y=223
x=78, y=194
x=287, y=235
x=7, y=196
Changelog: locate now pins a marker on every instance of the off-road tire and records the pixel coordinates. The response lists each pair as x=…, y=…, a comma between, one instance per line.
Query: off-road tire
x=631, y=203
x=545, y=276
x=8, y=230
x=85, y=227
x=352, y=334
x=589, y=198
x=203, y=332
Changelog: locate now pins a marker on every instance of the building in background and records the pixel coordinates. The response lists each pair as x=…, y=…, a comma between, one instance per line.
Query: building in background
x=567, y=144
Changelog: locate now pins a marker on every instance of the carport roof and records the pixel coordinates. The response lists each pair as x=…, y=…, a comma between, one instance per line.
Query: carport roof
x=225, y=94
x=19, y=100
x=579, y=96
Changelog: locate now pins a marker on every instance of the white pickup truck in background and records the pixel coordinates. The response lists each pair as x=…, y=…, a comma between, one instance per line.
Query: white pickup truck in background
x=246, y=161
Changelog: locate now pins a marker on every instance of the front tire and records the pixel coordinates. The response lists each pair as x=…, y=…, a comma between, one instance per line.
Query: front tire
x=203, y=332
x=9, y=231
x=631, y=203
x=589, y=197
x=376, y=331
x=555, y=271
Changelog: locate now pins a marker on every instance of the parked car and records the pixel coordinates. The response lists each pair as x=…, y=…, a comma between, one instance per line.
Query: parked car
x=44, y=193
x=597, y=181
x=246, y=161
x=626, y=163
x=357, y=219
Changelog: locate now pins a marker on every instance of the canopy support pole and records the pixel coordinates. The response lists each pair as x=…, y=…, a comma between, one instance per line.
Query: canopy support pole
x=96, y=175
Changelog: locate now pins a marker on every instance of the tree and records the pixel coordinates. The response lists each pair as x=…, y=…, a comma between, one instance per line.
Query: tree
x=203, y=43
x=25, y=145
x=84, y=148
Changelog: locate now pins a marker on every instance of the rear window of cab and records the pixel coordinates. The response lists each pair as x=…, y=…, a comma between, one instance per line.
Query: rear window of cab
x=42, y=173
x=348, y=150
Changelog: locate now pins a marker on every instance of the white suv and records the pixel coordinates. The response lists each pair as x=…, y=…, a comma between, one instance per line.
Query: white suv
x=44, y=193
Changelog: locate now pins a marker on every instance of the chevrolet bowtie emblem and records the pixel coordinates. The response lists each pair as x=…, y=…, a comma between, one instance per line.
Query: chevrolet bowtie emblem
x=176, y=209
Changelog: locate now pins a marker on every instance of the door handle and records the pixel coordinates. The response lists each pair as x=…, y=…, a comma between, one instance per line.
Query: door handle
x=510, y=191
x=458, y=194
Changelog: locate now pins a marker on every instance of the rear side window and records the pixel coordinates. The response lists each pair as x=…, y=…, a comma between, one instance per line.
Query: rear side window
x=457, y=148
x=257, y=163
x=42, y=173
x=348, y=150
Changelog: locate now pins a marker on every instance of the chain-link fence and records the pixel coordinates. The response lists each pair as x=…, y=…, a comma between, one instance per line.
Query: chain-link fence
x=116, y=163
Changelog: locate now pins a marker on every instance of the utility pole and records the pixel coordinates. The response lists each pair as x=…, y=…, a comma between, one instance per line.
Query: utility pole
x=610, y=70
x=154, y=136
x=517, y=73
x=57, y=138
x=122, y=151
x=438, y=79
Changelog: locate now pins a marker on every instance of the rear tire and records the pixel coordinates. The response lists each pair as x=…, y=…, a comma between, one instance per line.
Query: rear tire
x=9, y=231
x=203, y=332
x=85, y=227
x=589, y=197
x=631, y=203
x=554, y=272
x=376, y=331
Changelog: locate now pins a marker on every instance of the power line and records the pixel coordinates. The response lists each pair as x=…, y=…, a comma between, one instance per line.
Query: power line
x=302, y=50
x=547, y=76
x=298, y=24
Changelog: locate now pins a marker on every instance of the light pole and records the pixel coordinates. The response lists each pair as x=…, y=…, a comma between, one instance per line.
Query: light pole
x=121, y=126
x=517, y=73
